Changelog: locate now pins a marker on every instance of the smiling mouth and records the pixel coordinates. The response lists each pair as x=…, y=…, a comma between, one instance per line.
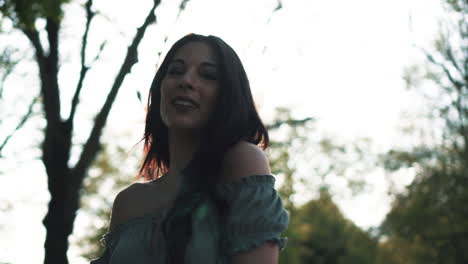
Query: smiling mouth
x=185, y=103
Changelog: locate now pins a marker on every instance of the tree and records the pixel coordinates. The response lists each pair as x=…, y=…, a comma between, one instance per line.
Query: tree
x=326, y=237
x=112, y=171
x=431, y=214
x=7, y=65
x=65, y=180
x=291, y=139
x=281, y=154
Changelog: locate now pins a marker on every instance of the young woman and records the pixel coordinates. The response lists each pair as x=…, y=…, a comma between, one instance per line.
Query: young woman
x=209, y=194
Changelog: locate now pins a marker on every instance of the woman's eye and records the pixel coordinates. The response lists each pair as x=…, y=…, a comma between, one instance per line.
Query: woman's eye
x=175, y=71
x=211, y=76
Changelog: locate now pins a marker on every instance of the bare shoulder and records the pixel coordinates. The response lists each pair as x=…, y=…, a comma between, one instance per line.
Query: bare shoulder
x=244, y=159
x=122, y=204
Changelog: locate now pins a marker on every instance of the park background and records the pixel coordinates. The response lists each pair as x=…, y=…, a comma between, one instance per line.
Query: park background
x=365, y=101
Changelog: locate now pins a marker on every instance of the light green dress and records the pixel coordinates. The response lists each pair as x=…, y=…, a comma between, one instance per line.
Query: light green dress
x=256, y=215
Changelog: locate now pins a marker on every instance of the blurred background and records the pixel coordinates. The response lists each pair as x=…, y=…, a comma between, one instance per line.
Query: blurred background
x=366, y=103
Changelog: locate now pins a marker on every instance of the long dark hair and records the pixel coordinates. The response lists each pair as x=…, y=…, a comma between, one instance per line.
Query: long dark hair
x=234, y=118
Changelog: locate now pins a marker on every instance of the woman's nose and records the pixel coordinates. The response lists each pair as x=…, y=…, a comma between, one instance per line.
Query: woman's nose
x=189, y=79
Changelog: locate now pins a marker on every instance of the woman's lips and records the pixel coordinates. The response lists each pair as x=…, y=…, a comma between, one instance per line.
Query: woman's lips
x=184, y=103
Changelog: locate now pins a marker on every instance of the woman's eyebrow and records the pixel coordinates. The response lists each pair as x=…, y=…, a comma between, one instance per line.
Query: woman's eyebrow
x=177, y=61
x=210, y=64
x=205, y=63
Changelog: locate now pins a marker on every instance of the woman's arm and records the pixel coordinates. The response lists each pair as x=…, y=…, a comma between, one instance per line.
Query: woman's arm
x=245, y=159
x=268, y=253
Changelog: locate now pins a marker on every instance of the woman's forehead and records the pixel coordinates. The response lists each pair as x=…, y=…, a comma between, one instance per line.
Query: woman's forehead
x=195, y=52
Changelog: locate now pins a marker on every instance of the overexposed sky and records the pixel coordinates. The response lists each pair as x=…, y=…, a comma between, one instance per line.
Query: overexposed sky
x=338, y=61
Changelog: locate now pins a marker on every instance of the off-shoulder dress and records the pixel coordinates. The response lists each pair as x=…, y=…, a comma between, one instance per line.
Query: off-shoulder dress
x=256, y=215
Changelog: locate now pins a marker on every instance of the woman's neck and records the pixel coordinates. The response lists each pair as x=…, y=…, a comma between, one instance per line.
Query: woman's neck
x=182, y=147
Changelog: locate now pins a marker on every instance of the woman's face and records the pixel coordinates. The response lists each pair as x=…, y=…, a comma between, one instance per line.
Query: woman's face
x=190, y=88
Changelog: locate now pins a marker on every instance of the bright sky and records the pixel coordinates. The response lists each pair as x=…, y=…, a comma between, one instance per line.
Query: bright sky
x=338, y=61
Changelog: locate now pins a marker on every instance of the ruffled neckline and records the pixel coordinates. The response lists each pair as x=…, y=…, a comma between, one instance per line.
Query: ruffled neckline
x=224, y=186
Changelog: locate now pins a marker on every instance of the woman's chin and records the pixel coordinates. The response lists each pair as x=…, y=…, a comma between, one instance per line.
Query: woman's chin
x=186, y=127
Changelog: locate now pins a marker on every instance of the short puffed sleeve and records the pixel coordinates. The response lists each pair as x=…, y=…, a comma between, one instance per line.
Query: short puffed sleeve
x=255, y=215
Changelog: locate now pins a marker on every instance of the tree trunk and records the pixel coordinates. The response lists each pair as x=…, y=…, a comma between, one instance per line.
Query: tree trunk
x=64, y=182
x=58, y=222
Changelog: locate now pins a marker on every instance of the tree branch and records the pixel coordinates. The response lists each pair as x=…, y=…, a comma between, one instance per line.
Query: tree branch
x=84, y=69
x=20, y=124
x=33, y=36
x=446, y=236
x=92, y=145
x=50, y=89
x=451, y=58
x=456, y=83
x=182, y=6
x=52, y=28
x=278, y=7
x=291, y=122
x=101, y=48
x=461, y=118
x=8, y=65
x=465, y=66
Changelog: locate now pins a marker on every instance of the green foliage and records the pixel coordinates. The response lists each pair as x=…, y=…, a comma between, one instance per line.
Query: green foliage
x=395, y=160
x=281, y=151
x=6, y=59
x=396, y=250
x=106, y=178
x=7, y=64
x=327, y=237
x=428, y=222
x=459, y=6
x=318, y=232
x=286, y=133
x=432, y=215
x=24, y=13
